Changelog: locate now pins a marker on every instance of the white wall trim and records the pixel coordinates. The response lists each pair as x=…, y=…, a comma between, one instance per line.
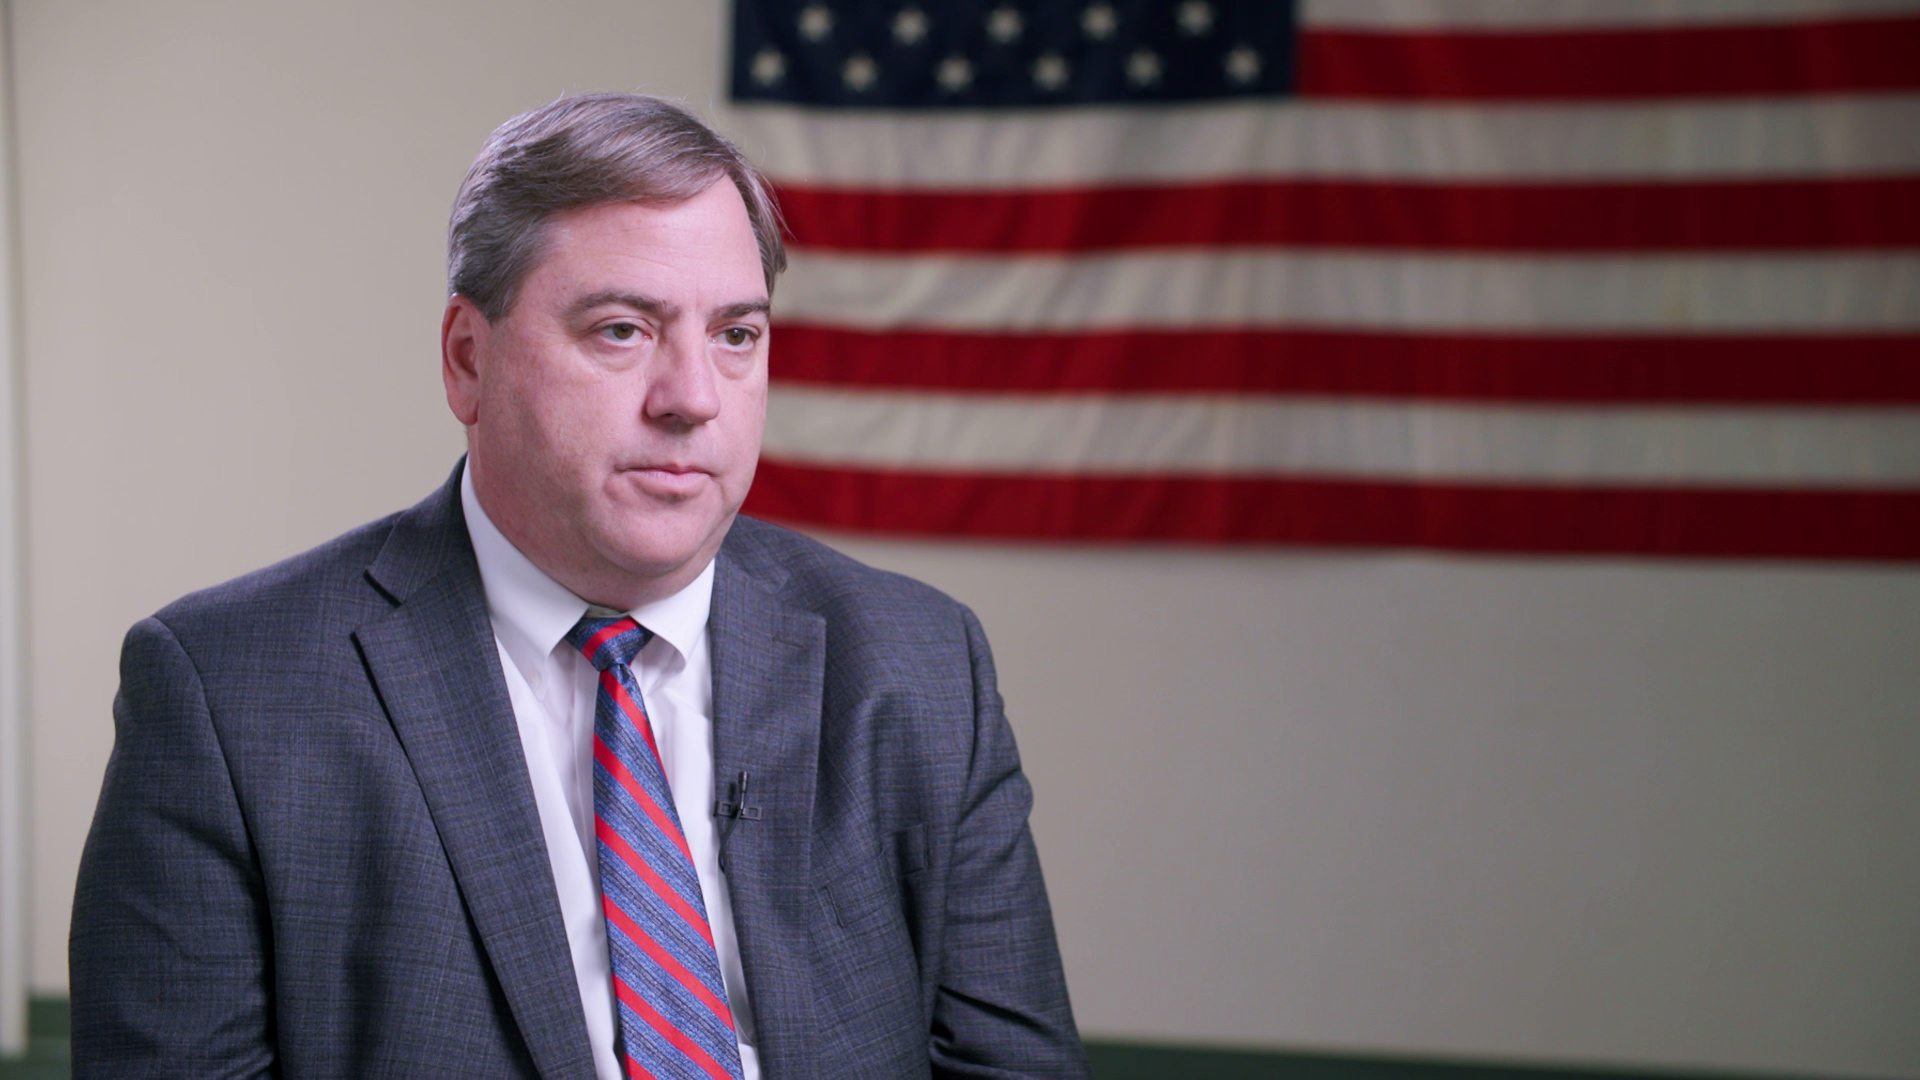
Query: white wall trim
x=13, y=671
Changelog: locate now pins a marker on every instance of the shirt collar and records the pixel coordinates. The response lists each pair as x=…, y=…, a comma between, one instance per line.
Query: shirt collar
x=532, y=613
x=681, y=619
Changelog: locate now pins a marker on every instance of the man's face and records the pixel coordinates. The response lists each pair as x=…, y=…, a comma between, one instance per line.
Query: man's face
x=614, y=413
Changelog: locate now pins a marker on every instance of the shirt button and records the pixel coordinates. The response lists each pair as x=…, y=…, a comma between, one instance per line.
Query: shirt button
x=536, y=679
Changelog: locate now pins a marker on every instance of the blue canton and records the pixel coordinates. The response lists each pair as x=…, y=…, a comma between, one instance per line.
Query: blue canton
x=917, y=54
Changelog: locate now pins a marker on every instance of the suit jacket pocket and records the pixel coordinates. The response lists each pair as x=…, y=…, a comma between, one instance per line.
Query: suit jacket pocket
x=861, y=900
x=856, y=903
x=910, y=850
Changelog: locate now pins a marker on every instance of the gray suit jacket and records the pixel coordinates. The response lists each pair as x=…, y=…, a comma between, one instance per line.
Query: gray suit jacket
x=316, y=852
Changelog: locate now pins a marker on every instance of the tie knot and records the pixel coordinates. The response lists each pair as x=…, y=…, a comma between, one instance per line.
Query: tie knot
x=606, y=642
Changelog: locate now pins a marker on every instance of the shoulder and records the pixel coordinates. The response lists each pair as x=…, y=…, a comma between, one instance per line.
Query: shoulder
x=296, y=597
x=325, y=592
x=812, y=575
x=333, y=566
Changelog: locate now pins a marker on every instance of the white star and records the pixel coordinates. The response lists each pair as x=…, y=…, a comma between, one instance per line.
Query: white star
x=768, y=66
x=909, y=26
x=954, y=74
x=1050, y=71
x=816, y=22
x=1004, y=24
x=1099, y=21
x=1143, y=67
x=1243, y=64
x=859, y=72
x=1195, y=17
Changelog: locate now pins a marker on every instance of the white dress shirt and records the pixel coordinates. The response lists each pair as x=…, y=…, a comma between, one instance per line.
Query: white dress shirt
x=553, y=689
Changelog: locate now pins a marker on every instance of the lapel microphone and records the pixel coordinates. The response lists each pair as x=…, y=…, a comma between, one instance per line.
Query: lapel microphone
x=738, y=807
x=732, y=810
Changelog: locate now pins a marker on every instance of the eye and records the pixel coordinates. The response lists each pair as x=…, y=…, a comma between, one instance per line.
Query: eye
x=625, y=331
x=738, y=336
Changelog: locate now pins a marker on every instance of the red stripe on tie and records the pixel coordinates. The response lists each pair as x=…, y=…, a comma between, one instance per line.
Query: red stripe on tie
x=668, y=1032
x=637, y=1071
x=605, y=756
x=644, y=941
x=612, y=838
x=635, y=714
x=607, y=633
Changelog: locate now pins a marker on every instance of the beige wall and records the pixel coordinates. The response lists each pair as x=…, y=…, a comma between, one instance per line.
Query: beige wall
x=1630, y=812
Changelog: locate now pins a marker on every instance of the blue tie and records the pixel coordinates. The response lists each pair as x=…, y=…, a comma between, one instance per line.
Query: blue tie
x=674, y=1019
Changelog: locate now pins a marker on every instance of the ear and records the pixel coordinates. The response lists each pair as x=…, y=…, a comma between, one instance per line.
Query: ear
x=463, y=337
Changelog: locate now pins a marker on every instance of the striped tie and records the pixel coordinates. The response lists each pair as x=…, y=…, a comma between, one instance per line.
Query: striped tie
x=674, y=1020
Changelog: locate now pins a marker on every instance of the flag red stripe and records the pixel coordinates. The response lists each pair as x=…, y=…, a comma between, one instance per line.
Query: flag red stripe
x=1860, y=213
x=1838, y=55
x=677, y=1038
x=634, y=860
x=645, y=943
x=618, y=770
x=1831, y=524
x=1803, y=370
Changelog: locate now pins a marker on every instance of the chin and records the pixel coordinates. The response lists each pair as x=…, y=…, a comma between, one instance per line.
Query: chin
x=660, y=545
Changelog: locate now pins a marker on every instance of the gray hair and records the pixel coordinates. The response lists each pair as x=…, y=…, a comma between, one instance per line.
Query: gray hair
x=584, y=151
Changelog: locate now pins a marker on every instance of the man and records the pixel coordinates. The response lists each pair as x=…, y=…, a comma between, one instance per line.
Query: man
x=567, y=771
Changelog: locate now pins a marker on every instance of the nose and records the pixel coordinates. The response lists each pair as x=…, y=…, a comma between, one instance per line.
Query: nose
x=682, y=390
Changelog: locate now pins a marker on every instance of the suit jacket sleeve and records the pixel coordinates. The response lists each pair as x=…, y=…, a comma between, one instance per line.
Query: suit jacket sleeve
x=1001, y=1009
x=169, y=944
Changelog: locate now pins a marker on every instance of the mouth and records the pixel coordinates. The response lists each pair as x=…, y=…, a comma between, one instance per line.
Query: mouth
x=667, y=480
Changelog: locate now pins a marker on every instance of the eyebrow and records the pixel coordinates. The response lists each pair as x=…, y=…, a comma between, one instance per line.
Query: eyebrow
x=636, y=301
x=745, y=308
x=660, y=308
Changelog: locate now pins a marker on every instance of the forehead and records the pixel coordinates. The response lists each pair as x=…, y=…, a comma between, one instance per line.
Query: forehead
x=700, y=244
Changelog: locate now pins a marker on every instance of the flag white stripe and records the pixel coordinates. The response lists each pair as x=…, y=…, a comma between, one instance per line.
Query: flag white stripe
x=1860, y=135
x=1275, y=288
x=1248, y=436
x=1575, y=15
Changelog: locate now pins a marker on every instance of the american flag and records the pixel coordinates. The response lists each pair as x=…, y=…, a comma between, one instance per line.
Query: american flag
x=1621, y=276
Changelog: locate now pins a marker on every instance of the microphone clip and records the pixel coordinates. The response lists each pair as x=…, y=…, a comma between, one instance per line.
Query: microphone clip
x=737, y=807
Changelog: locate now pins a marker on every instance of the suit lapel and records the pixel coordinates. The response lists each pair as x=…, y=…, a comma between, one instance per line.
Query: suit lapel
x=437, y=670
x=768, y=662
